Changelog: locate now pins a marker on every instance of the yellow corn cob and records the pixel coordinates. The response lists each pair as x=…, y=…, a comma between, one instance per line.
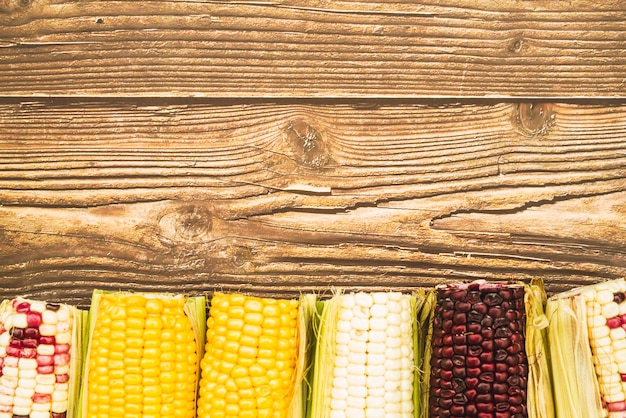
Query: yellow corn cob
x=143, y=356
x=253, y=361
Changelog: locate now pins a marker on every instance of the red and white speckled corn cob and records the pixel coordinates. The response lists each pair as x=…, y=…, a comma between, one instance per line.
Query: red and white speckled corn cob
x=36, y=341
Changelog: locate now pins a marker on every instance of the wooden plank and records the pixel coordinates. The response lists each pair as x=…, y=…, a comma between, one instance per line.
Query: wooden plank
x=278, y=198
x=298, y=48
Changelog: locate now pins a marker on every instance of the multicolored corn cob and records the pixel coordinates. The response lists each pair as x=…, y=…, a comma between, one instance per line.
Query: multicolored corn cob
x=365, y=357
x=598, y=314
x=253, y=361
x=479, y=362
x=39, y=359
x=143, y=355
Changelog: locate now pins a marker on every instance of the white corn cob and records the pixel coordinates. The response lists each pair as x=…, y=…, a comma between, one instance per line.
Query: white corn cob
x=365, y=358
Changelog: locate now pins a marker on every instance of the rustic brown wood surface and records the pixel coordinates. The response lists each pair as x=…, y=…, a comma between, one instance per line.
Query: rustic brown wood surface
x=275, y=198
x=306, y=48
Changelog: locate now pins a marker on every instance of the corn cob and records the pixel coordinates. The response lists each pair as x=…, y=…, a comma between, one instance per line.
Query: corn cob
x=479, y=360
x=601, y=310
x=39, y=359
x=143, y=355
x=365, y=356
x=254, y=359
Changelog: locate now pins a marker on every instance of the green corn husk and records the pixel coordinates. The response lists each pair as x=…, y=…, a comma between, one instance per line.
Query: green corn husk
x=425, y=327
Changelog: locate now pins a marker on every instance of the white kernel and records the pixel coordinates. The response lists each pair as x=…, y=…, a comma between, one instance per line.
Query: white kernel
x=8, y=381
x=338, y=413
x=44, y=389
x=375, y=402
x=381, y=298
x=618, y=334
x=608, y=379
x=10, y=371
x=357, y=358
x=36, y=306
x=603, y=358
x=406, y=328
x=361, y=312
x=601, y=343
x=27, y=363
x=22, y=402
x=405, y=316
x=377, y=336
x=63, y=338
x=3, y=351
x=338, y=404
x=360, y=324
x=5, y=338
x=375, y=369
x=620, y=355
x=45, y=379
x=378, y=324
x=42, y=406
x=596, y=321
x=21, y=410
x=392, y=407
x=613, y=397
x=24, y=392
x=63, y=326
x=359, y=336
x=394, y=330
x=347, y=301
x=58, y=407
x=379, y=311
x=6, y=391
x=406, y=364
x=356, y=369
x=49, y=317
x=357, y=402
x=28, y=373
x=344, y=327
x=393, y=397
x=63, y=314
x=363, y=299
x=610, y=310
x=378, y=348
x=604, y=297
x=393, y=375
x=340, y=371
x=340, y=382
x=62, y=386
x=48, y=330
x=394, y=342
x=345, y=315
x=622, y=308
x=59, y=395
x=39, y=414
x=342, y=338
x=11, y=361
x=406, y=386
x=20, y=320
x=621, y=367
x=26, y=383
x=356, y=380
x=407, y=406
x=342, y=350
x=594, y=308
x=391, y=386
x=394, y=318
x=339, y=393
x=380, y=392
x=45, y=349
x=375, y=413
x=357, y=347
x=375, y=359
x=356, y=392
x=355, y=412
x=376, y=381
x=393, y=353
x=6, y=400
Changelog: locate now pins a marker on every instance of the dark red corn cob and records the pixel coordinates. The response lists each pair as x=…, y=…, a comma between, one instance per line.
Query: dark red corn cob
x=478, y=352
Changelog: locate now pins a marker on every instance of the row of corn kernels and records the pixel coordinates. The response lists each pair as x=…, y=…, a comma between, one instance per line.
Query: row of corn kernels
x=472, y=349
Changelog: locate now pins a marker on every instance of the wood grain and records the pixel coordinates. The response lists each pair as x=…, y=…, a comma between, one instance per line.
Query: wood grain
x=296, y=48
x=275, y=199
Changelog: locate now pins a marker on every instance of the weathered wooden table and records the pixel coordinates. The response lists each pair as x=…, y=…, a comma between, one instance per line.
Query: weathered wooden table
x=286, y=146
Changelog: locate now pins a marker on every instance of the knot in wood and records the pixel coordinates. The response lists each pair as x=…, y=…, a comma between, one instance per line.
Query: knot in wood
x=306, y=144
x=534, y=118
x=516, y=46
x=192, y=223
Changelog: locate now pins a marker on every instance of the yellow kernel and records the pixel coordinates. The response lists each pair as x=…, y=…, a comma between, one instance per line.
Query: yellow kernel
x=267, y=362
x=167, y=346
x=248, y=352
x=135, y=322
x=167, y=366
x=151, y=371
x=270, y=322
x=231, y=347
x=133, y=379
x=116, y=373
x=168, y=355
x=246, y=361
x=231, y=410
x=243, y=382
x=117, y=411
x=132, y=361
x=136, y=311
x=154, y=306
x=116, y=355
x=257, y=370
x=135, y=342
x=134, y=353
x=249, y=341
x=134, y=332
x=168, y=387
x=169, y=321
x=168, y=377
x=118, y=345
x=135, y=300
x=230, y=385
x=227, y=367
x=254, y=318
x=153, y=322
x=150, y=352
x=151, y=391
x=233, y=334
x=236, y=312
x=252, y=330
x=259, y=381
x=167, y=334
x=267, y=342
x=220, y=318
x=253, y=304
x=236, y=299
x=150, y=380
x=132, y=389
x=117, y=391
